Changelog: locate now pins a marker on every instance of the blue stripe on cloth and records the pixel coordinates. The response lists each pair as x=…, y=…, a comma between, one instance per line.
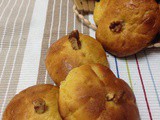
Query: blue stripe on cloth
x=152, y=78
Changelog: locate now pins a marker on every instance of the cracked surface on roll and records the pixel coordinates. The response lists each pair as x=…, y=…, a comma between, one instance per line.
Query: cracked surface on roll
x=92, y=92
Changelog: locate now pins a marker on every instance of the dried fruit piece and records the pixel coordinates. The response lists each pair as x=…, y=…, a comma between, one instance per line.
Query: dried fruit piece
x=110, y=96
x=39, y=106
x=74, y=40
x=116, y=26
x=119, y=96
x=115, y=97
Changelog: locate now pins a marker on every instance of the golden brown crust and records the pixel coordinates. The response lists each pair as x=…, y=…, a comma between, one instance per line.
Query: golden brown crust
x=99, y=10
x=61, y=57
x=21, y=107
x=141, y=22
x=92, y=92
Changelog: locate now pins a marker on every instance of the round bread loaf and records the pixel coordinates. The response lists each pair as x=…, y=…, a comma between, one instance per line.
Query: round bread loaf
x=35, y=103
x=72, y=51
x=127, y=26
x=92, y=92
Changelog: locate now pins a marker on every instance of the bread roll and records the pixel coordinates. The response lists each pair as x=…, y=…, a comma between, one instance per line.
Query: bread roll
x=128, y=26
x=92, y=92
x=72, y=51
x=35, y=103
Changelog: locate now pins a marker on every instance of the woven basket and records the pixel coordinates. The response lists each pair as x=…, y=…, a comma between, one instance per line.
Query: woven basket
x=87, y=6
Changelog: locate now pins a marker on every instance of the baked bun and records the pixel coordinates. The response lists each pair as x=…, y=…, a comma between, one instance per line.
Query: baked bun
x=72, y=51
x=35, y=103
x=128, y=26
x=92, y=92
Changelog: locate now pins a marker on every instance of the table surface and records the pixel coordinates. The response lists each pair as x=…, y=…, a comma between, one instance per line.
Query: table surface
x=29, y=27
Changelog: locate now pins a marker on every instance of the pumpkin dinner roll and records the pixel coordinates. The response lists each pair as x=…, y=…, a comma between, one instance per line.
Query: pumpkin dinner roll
x=127, y=26
x=38, y=102
x=72, y=51
x=92, y=92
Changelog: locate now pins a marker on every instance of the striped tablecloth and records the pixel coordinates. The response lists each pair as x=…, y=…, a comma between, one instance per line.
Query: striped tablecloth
x=29, y=27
